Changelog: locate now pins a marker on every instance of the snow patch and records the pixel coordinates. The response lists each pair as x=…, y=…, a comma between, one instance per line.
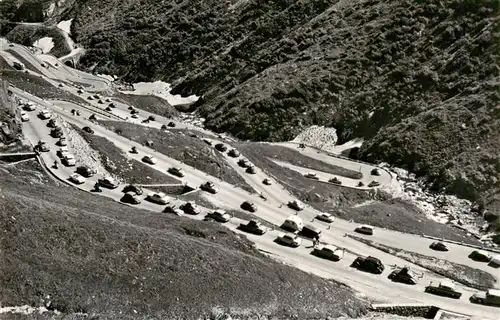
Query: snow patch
x=65, y=25
x=162, y=90
x=107, y=77
x=45, y=44
x=26, y=310
x=354, y=143
x=318, y=137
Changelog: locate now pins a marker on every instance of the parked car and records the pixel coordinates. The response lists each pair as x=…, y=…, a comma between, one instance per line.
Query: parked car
x=108, y=182
x=62, y=150
x=480, y=255
x=311, y=175
x=24, y=117
x=133, y=188
x=69, y=160
x=254, y=227
x=112, y=105
x=369, y=264
x=43, y=146
x=243, y=163
x=221, y=147
x=171, y=124
x=62, y=142
x=90, y=98
x=293, y=223
x=149, y=159
x=444, y=288
x=375, y=172
x=29, y=106
x=88, y=130
x=135, y=116
x=56, y=132
x=403, y=275
x=310, y=231
x=365, y=229
x=488, y=298
x=100, y=101
x=108, y=109
x=158, y=197
x=44, y=115
x=335, y=180
x=190, y=208
x=267, y=182
x=134, y=111
x=86, y=171
x=248, y=206
x=176, y=171
x=151, y=118
x=233, y=153
x=219, y=216
x=373, y=184
x=130, y=197
x=250, y=169
x=96, y=96
x=108, y=100
x=325, y=217
x=296, y=205
x=209, y=186
x=52, y=123
x=79, y=91
x=291, y=240
x=329, y=252
x=207, y=141
x=76, y=178
x=174, y=210
x=438, y=246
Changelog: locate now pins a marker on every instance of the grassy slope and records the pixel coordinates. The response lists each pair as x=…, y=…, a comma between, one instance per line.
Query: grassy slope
x=94, y=255
x=151, y=104
x=403, y=74
x=189, y=150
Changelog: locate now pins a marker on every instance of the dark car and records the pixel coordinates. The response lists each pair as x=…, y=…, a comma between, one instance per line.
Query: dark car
x=133, y=188
x=108, y=109
x=375, y=172
x=171, y=124
x=254, y=227
x=112, y=105
x=151, y=118
x=131, y=198
x=85, y=171
x=250, y=169
x=403, y=275
x=335, y=180
x=88, y=130
x=134, y=111
x=310, y=231
x=221, y=147
x=243, y=163
x=56, y=132
x=368, y=264
x=52, y=123
x=248, y=206
x=233, y=153
x=438, y=246
x=190, y=208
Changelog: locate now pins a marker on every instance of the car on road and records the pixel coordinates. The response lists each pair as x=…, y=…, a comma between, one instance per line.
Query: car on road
x=267, y=182
x=311, y=175
x=44, y=115
x=88, y=130
x=108, y=109
x=134, y=111
x=24, y=117
x=76, y=178
x=62, y=150
x=151, y=118
x=438, y=246
x=134, y=116
x=100, y=101
x=243, y=163
x=289, y=239
x=328, y=252
x=96, y=96
x=296, y=205
x=112, y=105
x=251, y=169
x=149, y=159
x=373, y=184
x=60, y=85
x=52, y=123
x=403, y=275
x=108, y=182
x=248, y=206
x=90, y=98
x=133, y=188
x=79, y=91
x=86, y=171
x=369, y=264
x=108, y=100
x=293, y=223
x=488, y=298
x=375, y=172
x=207, y=141
x=171, y=124
x=62, y=142
x=174, y=210
x=56, y=132
x=364, y=229
x=254, y=227
x=29, y=106
x=335, y=180
x=158, y=197
x=190, y=208
x=233, y=153
x=68, y=159
x=131, y=198
x=18, y=66
x=42, y=146
x=221, y=147
x=310, y=231
x=176, y=171
x=325, y=217
x=445, y=288
x=209, y=186
x=219, y=216
x=480, y=255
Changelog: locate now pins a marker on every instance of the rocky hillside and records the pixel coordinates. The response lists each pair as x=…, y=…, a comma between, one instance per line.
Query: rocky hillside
x=10, y=120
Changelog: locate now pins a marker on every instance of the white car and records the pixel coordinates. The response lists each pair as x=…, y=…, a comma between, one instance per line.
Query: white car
x=29, y=106
x=76, y=178
x=159, y=198
x=291, y=240
x=311, y=175
x=149, y=159
x=325, y=217
x=24, y=117
x=219, y=216
x=45, y=114
x=69, y=159
x=329, y=252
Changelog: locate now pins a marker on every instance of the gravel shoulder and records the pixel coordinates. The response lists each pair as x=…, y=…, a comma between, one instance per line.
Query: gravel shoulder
x=80, y=252
x=460, y=273
x=191, y=151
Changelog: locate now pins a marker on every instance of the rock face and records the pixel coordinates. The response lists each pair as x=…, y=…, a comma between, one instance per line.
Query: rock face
x=10, y=117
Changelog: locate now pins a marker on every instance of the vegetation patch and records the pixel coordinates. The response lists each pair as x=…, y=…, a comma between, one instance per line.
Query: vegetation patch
x=28, y=34
x=148, y=103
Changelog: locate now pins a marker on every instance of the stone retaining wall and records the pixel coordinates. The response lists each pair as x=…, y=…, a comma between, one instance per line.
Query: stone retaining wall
x=411, y=310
